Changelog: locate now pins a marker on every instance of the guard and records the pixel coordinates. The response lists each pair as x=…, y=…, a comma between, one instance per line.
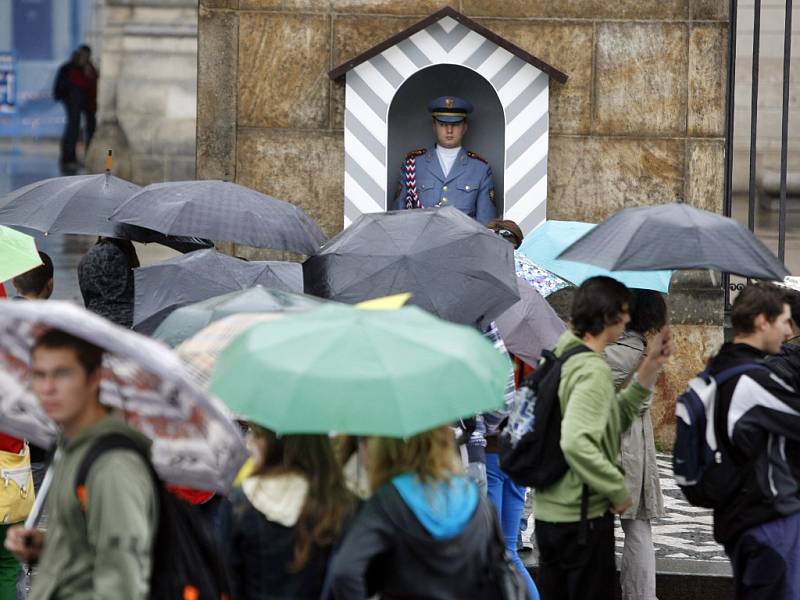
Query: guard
x=446, y=174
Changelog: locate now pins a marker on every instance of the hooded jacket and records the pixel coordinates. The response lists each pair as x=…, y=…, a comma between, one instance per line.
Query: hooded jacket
x=265, y=511
x=106, y=551
x=757, y=412
x=415, y=540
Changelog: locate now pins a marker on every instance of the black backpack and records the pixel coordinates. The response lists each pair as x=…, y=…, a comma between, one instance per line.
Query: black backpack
x=530, y=443
x=61, y=84
x=185, y=560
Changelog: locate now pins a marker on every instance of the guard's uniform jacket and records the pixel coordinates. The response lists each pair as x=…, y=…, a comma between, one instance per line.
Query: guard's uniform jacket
x=468, y=186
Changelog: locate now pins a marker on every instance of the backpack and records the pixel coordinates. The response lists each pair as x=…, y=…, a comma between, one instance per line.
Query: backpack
x=530, y=443
x=186, y=563
x=707, y=476
x=61, y=84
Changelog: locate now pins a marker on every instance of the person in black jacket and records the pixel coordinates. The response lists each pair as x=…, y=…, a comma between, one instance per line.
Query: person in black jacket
x=787, y=362
x=757, y=412
x=425, y=533
x=286, y=518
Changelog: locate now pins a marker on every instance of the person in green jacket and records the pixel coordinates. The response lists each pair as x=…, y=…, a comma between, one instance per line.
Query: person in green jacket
x=577, y=559
x=102, y=549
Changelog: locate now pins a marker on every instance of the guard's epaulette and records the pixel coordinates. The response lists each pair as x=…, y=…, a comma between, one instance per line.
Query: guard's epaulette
x=416, y=153
x=477, y=156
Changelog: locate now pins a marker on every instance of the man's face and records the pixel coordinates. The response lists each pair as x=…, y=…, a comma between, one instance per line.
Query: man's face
x=449, y=135
x=615, y=330
x=61, y=384
x=777, y=332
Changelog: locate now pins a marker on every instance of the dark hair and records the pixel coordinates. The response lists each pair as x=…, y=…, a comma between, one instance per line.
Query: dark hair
x=89, y=356
x=792, y=298
x=598, y=303
x=35, y=280
x=757, y=299
x=328, y=504
x=85, y=48
x=507, y=229
x=648, y=311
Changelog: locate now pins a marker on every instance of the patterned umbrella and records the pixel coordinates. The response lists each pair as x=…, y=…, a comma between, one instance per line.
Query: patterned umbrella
x=543, y=281
x=220, y=210
x=195, y=443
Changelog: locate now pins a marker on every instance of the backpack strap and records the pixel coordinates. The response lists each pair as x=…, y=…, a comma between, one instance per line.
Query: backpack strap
x=572, y=352
x=112, y=441
x=731, y=372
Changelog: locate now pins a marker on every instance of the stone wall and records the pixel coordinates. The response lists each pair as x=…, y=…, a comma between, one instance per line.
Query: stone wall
x=640, y=121
x=147, y=98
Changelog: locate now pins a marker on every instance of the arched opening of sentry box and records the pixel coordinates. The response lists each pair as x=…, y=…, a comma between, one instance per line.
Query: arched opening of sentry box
x=409, y=122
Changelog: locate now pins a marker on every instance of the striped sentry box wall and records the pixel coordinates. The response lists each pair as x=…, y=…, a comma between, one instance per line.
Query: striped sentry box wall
x=520, y=80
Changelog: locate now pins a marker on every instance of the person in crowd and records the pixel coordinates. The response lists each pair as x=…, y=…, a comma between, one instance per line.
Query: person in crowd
x=426, y=532
x=287, y=517
x=88, y=84
x=16, y=501
x=648, y=316
x=759, y=522
x=105, y=277
x=577, y=554
x=36, y=284
x=508, y=230
x=446, y=174
x=100, y=548
x=786, y=363
x=76, y=88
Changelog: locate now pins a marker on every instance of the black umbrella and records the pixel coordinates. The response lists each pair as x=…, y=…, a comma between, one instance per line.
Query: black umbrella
x=675, y=236
x=453, y=266
x=165, y=286
x=223, y=211
x=82, y=204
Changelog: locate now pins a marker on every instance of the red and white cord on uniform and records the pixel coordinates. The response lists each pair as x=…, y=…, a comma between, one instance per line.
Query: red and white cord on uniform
x=412, y=196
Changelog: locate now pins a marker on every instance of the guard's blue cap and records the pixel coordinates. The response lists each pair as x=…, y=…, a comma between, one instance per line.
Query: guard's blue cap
x=449, y=109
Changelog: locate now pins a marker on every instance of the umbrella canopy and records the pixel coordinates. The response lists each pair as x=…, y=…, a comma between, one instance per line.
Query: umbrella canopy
x=542, y=281
x=18, y=253
x=530, y=326
x=195, y=443
x=544, y=245
x=675, y=236
x=360, y=372
x=165, y=286
x=201, y=351
x=184, y=322
x=220, y=210
x=452, y=266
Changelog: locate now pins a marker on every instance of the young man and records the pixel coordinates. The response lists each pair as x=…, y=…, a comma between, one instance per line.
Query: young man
x=36, y=284
x=757, y=413
x=104, y=550
x=577, y=558
x=446, y=174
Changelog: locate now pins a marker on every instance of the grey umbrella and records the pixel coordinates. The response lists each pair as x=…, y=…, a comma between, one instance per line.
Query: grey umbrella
x=165, y=286
x=530, y=325
x=453, y=266
x=223, y=211
x=675, y=236
x=82, y=204
x=184, y=322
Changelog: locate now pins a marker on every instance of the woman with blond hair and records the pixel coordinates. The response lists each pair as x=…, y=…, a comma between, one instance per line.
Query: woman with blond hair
x=287, y=517
x=425, y=532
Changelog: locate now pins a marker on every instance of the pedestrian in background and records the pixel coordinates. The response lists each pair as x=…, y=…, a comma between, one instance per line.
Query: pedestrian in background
x=426, y=532
x=76, y=88
x=105, y=277
x=287, y=517
x=648, y=313
x=575, y=516
x=36, y=284
x=16, y=501
x=758, y=521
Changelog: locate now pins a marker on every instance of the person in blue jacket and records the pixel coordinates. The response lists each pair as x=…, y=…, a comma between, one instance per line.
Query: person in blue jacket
x=446, y=174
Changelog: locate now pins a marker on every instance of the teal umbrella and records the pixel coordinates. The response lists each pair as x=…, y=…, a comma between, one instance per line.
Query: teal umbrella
x=344, y=370
x=184, y=322
x=545, y=243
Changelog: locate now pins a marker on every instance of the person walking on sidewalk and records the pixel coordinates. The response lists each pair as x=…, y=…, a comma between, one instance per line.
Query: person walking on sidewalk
x=758, y=414
x=648, y=313
x=576, y=556
x=99, y=545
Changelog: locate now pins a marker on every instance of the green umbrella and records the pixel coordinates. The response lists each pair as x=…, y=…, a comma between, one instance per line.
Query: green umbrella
x=184, y=322
x=338, y=369
x=18, y=253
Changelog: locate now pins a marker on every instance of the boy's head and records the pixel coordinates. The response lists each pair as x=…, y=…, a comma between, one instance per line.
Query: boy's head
x=761, y=317
x=65, y=375
x=36, y=284
x=600, y=308
x=648, y=312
